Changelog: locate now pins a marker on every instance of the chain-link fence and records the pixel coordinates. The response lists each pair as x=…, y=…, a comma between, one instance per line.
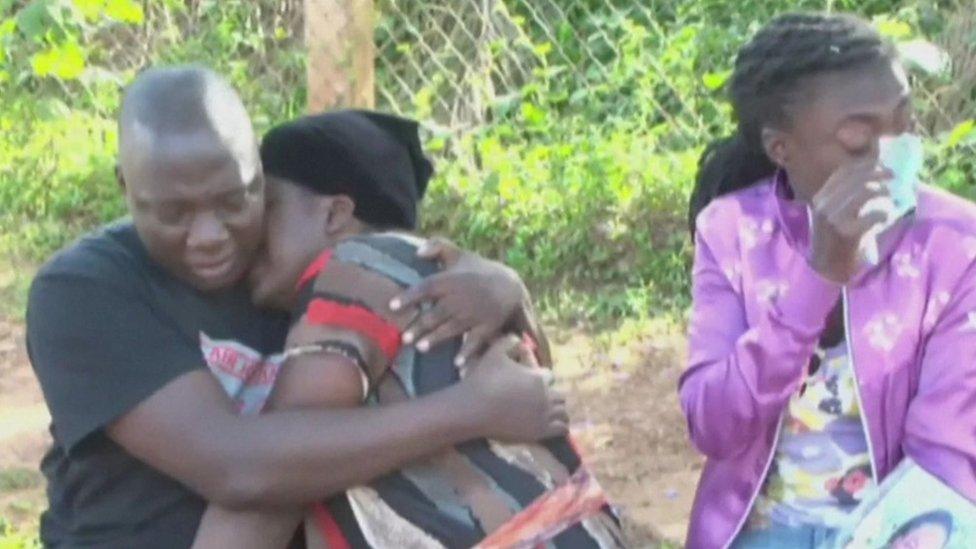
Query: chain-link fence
x=569, y=120
x=462, y=64
x=458, y=63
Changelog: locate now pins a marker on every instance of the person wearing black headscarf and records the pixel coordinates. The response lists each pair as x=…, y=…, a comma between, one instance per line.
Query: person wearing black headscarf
x=343, y=191
x=373, y=158
x=331, y=176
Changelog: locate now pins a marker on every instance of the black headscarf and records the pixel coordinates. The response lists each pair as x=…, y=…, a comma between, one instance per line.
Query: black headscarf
x=376, y=159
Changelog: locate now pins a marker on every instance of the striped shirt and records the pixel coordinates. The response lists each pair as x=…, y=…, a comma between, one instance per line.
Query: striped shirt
x=481, y=492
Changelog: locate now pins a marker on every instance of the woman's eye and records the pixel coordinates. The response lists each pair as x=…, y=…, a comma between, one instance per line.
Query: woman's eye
x=856, y=136
x=912, y=125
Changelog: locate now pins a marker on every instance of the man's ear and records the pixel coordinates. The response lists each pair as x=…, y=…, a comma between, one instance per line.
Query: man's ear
x=775, y=144
x=119, y=178
x=339, y=215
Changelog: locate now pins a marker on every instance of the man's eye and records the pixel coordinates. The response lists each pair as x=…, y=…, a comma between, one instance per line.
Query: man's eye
x=233, y=203
x=170, y=214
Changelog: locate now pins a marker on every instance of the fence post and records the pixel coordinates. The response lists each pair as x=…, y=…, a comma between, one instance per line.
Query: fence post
x=341, y=53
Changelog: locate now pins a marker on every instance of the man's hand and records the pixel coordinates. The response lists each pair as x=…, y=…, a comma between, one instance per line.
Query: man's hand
x=517, y=402
x=473, y=296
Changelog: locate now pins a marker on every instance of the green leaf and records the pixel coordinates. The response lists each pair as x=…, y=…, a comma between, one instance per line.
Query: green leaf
x=90, y=9
x=52, y=109
x=66, y=61
x=35, y=18
x=436, y=144
x=894, y=29
x=6, y=28
x=565, y=33
x=504, y=104
x=533, y=114
x=961, y=132
x=716, y=80
x=125, y=11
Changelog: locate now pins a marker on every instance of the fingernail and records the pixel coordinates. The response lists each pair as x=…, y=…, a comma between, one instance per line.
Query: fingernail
x=395, y=304
x=423, y=346
x=407, y=337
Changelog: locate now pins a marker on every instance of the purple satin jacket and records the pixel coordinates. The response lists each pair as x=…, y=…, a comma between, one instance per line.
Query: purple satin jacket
x=759, y=309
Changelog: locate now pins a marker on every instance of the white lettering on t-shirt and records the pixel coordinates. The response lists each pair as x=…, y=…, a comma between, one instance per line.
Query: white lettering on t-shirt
x=244, y=373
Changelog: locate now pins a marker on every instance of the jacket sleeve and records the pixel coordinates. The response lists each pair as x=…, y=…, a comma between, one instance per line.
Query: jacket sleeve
x=940, y=426
x=740, y=375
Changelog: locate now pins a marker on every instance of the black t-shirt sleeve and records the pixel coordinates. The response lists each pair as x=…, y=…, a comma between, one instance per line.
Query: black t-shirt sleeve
x=99, y=349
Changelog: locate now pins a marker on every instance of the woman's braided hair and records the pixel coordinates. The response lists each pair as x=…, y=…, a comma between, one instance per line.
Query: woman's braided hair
x=768, y=72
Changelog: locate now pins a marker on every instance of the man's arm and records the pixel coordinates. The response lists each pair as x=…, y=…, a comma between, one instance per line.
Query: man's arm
x=188, y=431
x=87, y=336
x=331, y=364
x=325, y=380
x=319, y=380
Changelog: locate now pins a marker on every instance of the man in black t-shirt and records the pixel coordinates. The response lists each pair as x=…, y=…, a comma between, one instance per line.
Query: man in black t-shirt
x=126, y=328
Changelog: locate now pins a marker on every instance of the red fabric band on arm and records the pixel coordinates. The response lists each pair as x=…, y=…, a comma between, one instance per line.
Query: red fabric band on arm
x=329, y=528
x=356, y=319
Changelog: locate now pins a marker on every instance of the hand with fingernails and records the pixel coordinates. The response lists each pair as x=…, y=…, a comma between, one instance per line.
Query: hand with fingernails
x=847, y=213
x=473, y=297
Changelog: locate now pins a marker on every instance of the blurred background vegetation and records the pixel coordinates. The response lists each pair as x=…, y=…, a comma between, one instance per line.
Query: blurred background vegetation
x=570, y=157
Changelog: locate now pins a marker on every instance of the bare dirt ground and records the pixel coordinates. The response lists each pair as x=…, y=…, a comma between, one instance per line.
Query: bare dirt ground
x=23, y=432
x=622, y=397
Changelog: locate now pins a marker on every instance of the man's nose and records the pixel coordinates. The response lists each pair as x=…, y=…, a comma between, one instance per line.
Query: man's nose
x=206, y=232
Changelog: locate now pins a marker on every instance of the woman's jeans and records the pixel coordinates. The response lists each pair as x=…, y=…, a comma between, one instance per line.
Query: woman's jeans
x=788, y=537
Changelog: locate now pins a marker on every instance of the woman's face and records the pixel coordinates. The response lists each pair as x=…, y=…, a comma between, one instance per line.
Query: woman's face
x=295, y=235
x=838, y=117
x=929, y=535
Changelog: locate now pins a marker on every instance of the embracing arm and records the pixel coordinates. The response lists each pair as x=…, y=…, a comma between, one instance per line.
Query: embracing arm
x=188, y=430
x=311, y=381
x=167, y=409
x=90, y=331
x=331, y=366
x=475, y=297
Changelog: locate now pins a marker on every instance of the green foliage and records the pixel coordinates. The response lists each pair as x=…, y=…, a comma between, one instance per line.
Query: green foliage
x=19, y=478
x=953, y=163
x=62, y=66
x=576, y=172
x=575, y=209
x=581, y=181
x=9, y=539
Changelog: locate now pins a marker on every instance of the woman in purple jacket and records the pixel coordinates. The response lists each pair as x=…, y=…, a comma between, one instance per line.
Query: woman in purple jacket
x=813, y=372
